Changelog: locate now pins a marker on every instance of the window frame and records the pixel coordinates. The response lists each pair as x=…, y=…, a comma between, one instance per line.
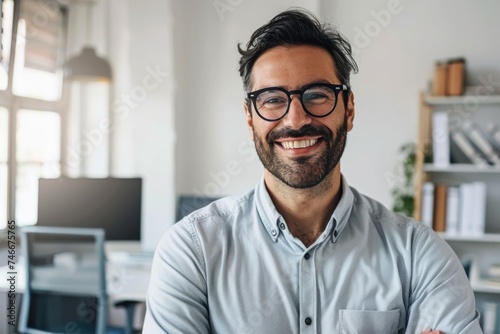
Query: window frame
x=14, y=103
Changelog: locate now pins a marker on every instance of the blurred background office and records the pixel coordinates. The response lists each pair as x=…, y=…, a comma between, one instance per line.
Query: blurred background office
x=170, y=109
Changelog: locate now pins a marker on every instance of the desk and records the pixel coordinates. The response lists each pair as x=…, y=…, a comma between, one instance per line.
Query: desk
x=127, y=278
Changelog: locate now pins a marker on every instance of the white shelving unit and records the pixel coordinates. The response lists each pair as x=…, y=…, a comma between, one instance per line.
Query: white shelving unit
x=482, y=250
x=461, y=168
x=484, y=238
x=451, y=100
x=483, y=286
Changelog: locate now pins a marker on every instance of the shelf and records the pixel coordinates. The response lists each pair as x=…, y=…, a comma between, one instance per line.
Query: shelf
x=461, y=168
x=480, y=251
x=485, y=286
x=450, y=100
x=487, y=237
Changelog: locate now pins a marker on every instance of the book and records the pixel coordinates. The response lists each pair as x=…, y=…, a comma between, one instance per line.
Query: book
x=465, y=211
x=493, y=131
x=440, y=139
x=452, y=209
x=440, y=196
x=467, y=149
x=478, y=208
x=457, y=155
x=481, y=142
x=472, y=208
x=427, y=203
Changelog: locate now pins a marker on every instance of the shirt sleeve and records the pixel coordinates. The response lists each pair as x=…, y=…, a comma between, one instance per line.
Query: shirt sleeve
x=177, y=293
x=441, y=297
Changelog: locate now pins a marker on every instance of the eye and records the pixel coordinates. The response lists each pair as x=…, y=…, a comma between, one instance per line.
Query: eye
x=318, y=95
x=312, y=96
x=272, y=99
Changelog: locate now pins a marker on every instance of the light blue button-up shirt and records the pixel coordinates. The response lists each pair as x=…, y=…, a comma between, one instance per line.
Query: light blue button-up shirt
x=234, y=267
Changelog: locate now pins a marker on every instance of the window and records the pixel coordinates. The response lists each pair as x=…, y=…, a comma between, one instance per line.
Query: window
x=7, y=18
x=4, y=121
x=37, y=70
x=38, y=155
x=31, y=104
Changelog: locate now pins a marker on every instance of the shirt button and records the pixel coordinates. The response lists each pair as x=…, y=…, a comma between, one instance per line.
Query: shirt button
x=273, y=232
x=335, y=233
x=306, y=256
x=282, y=226
x=308, y=321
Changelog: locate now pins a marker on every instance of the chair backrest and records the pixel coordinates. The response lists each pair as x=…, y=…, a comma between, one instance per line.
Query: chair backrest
x=188, y=204
x=66, y=281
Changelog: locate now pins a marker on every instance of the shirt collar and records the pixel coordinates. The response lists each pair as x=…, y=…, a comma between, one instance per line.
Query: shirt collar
x=270, y=217
x=343, y=210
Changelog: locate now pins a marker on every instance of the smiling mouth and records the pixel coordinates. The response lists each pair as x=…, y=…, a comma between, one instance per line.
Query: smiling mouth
x=293, y=144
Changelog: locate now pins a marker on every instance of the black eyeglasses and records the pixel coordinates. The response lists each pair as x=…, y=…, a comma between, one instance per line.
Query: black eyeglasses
x=318, y=100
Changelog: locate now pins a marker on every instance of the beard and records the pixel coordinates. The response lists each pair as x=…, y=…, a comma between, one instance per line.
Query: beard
x=308, y=171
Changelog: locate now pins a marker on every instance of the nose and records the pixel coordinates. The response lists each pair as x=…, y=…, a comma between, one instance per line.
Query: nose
x=296, y=117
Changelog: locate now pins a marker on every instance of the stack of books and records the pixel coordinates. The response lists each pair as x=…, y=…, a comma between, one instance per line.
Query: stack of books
x=455, y=209
x=464, y=143
x=491, y=318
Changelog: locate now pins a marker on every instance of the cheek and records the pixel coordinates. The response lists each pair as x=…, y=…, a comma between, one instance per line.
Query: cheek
x=331, y=122
x=338, y=120
x=261, y=128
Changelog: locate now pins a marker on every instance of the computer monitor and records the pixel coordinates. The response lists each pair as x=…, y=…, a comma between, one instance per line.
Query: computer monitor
x=113, y=204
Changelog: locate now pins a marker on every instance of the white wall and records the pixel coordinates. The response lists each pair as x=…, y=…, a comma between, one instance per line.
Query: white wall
x=147, y=139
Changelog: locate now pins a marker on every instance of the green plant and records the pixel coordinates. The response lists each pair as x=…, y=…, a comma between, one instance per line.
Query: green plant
x=403, y=190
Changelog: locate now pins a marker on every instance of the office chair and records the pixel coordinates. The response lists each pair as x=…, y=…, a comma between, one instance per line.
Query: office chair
x=66, y=282
x=188, y=204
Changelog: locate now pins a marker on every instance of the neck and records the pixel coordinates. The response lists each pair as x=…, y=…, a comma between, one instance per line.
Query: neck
x=306, y=211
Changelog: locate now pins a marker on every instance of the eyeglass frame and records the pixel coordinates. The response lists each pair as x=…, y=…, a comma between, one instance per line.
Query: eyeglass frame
x=252, y=96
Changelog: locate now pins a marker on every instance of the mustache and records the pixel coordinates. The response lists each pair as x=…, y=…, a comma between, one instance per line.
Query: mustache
x=306, y=130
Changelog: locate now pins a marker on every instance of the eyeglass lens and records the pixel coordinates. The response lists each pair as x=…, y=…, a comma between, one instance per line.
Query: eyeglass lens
x=317, y=100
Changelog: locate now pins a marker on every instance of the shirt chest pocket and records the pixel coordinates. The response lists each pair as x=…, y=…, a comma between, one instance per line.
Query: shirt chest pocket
x=368, y=322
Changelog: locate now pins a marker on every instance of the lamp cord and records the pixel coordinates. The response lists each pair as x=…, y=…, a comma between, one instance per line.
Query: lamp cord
x=89, y=27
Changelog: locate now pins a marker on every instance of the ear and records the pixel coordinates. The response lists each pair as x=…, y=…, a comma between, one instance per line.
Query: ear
x=349, y=111
x=248, y=114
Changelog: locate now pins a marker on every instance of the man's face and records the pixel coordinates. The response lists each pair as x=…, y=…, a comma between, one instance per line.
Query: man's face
x=300, y=150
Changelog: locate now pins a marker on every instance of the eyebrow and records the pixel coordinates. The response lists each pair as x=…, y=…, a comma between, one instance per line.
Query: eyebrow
x=315, y=81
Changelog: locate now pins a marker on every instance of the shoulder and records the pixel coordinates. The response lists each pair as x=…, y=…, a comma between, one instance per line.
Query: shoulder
x=217, y=216
x=220, y=213
x=394, y=225
x=381, y=215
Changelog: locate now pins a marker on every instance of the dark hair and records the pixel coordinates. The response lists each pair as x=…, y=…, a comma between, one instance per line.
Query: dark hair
x=297, y=27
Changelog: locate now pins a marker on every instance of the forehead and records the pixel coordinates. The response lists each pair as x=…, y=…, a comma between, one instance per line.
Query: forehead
x=292, y=67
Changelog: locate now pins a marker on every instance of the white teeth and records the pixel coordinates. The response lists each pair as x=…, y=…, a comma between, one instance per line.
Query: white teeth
x=299, y=143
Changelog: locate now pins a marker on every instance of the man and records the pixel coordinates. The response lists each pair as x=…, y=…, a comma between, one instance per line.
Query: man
x=303, y=252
